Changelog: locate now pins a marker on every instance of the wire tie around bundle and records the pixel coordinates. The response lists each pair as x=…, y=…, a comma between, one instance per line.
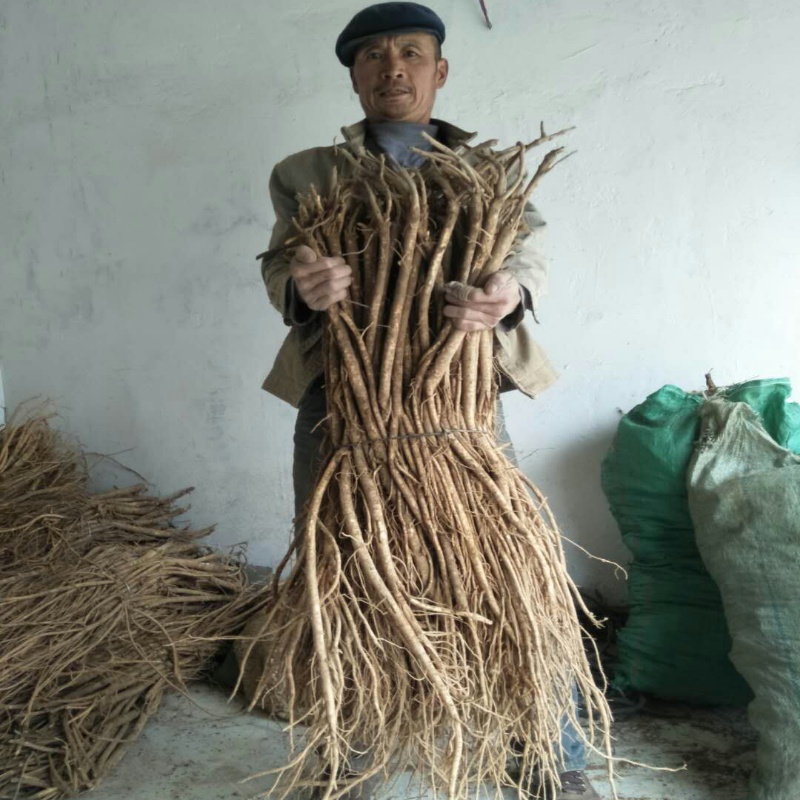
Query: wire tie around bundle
x=426, y=435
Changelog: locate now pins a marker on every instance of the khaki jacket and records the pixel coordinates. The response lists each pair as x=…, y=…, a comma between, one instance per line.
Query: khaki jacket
x=520, y=361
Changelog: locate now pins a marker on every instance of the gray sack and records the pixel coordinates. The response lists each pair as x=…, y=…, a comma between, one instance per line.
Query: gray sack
x=744, y=497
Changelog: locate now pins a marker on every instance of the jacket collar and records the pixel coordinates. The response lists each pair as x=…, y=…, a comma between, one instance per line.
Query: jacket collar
x=451, y=135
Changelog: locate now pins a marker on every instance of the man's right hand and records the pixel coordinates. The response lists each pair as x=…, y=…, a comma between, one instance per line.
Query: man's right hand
x=320, y=282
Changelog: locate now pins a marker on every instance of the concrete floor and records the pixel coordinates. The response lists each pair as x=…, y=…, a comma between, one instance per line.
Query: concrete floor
x=201, y=748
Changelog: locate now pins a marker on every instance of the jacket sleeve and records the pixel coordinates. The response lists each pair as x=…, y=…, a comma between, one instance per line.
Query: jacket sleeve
x=275, y=262
x=528, y=265
x=520, y=360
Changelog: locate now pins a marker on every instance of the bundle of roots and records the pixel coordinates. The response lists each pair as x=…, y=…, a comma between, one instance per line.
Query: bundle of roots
x=427, y=618
x=103, y=606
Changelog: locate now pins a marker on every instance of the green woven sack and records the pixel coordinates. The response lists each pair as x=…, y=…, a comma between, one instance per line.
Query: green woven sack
x=676, y=641
x=744, y=496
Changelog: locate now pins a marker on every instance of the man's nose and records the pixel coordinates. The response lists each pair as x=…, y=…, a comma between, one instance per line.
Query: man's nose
x=393, y=67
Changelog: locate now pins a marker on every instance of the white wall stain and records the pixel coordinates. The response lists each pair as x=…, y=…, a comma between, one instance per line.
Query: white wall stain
x=136, y=143
x=580, y=52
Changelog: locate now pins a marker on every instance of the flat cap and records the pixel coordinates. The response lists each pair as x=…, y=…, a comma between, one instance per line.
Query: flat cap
x=386, y=19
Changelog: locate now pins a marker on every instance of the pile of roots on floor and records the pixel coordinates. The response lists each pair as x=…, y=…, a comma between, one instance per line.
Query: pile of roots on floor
x=104, y=606
x=424, y=615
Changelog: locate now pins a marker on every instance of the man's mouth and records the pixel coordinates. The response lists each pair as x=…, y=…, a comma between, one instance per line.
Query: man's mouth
x=394, y=92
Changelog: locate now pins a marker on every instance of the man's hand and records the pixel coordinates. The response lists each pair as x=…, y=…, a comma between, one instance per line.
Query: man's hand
x=481, y=309
x=320, y=282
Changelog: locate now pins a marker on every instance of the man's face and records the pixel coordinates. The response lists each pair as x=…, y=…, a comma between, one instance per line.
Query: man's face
x=396, y=77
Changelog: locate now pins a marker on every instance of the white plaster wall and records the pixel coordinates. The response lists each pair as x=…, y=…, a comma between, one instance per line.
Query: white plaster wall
x=136, y=141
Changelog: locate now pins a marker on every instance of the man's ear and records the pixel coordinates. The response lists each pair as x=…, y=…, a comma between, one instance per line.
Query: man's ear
x=353, y=80
x=442, y=71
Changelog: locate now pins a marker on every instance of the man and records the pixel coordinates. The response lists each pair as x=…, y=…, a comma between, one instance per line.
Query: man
x=393, y=52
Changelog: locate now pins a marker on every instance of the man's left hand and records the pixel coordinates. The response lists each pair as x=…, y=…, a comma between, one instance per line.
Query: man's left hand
x=481, y=309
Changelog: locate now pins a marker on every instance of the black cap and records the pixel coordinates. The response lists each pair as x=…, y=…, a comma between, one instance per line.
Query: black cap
x=385, y=19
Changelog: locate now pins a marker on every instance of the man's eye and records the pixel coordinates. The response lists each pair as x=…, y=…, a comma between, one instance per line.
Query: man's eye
x=411, y=53
x=374, y=55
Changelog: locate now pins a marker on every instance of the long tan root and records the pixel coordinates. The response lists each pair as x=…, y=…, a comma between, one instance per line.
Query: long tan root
x=104, y=605
x=428, y=618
